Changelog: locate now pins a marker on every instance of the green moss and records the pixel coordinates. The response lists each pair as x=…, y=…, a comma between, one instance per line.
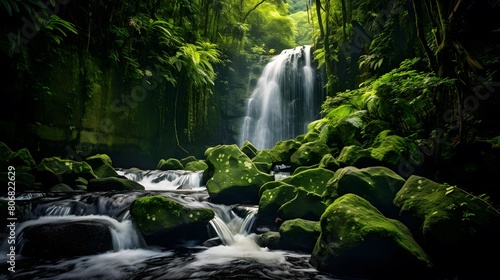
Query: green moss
x=355, y=234
x=283, y=150
x=299, y=234
x=305, y=205
x=158, y=213
x=329, y=162
x=271, y=200
x=197, y=165
x=249, y=149
x=312, y=180
x=272, y=185
x=170, y=164
x=309, y=153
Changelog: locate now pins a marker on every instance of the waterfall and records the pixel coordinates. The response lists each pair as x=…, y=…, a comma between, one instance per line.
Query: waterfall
x=283, y=101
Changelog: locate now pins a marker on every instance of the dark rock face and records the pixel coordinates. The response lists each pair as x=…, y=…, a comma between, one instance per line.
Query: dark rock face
x=68, y=239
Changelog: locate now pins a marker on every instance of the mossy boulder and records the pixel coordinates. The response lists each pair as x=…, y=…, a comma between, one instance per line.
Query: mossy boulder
x=329, y=162
x=283, y=150
x=309, y=153
x=299, y=235
x=113, y=184
x=186, y=160
x=390, y=149
x=264, y=156
x=102, y=166
x=354, y=155
x=235, y=177
x=197, y=165
x=455, y=227
x=169, y=164
x=54, y=170
x=305, y=205
x=271, y=200
x=270, y=239
x=22, y=159
x=61, y=187
x=312, y=180
x=249, y=149
x=358, y=241
x=272, y=185
x=162, y=220
x=376, y=184
x=263, y=166
x=98, y=160
x=304, y=168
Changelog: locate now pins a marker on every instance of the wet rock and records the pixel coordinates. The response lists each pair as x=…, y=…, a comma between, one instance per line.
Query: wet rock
x=270, y=239
x=67, y=239
x=309, y=153
x=313, y=180
x=455, y=227
x=305, y=205
x=102, y=166
x=299, y=235
x=271, y=200
x=376, y=184
x=169, y=164
x=234, y=177
x=113, y=184
x=197, y=165
x=61, y=188
x=358, y=241
x=163, y=221
x=54, y=170
x=249, y=149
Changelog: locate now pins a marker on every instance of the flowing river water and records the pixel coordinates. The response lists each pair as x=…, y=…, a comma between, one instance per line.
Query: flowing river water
x=234, y=255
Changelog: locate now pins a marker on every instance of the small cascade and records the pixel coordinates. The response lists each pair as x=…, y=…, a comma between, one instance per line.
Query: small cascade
x=227, y=224
x=284, y=100
x=159, y=180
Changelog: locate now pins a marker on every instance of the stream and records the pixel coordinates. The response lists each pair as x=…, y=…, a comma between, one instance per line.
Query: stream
x=231, y=252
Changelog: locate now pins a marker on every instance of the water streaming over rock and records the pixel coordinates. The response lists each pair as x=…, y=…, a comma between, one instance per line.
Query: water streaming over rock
x=284, y=100
x=126, y=255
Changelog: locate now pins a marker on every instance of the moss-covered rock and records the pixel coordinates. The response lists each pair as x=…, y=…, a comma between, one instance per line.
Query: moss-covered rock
x=270, y=239
x=61, y=187
x=102, y=166
x=186, y=160
x=358, y=241
x=376, y=184
x=283, y=150
x=98, y=160
x=235, y=178
x=391, y=149
x=356, y=156
x=299, y=235
x=263, y=166
x=272, y=185
x=169, y=164
x=329, y=162
x=455, y=227
x=312, y=180
x=54, y=170
x=158, y=217
x=309, y=153
x=197, y=165
x=249, y=149
x=264, y=156
x=271, y=200
x=22, y=158
x=113, y=184
x=304, y=168
x=305, y=205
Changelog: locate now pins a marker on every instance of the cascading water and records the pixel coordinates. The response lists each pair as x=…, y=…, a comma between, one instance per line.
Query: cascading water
x=283, y=101
x=234, y=252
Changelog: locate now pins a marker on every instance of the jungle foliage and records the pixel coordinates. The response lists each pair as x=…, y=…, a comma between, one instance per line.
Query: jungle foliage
x=415, y=66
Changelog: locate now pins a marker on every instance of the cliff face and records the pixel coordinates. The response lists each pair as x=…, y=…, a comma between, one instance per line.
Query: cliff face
x=75, y=105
